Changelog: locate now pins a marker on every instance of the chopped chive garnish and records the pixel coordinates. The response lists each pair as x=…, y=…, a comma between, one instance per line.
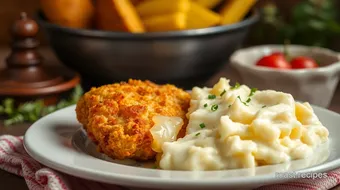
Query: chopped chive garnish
x=264, y=106
x=223, y=92
x=252, y=91
x=237, y=85
x=229, y=106
x=202, y=125
x=211, y=96
x=205, y=105
x=245, y=103
x=197, y=134
x=214, y=107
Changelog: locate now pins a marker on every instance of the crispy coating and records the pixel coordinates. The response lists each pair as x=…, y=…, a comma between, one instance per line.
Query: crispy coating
x=118, y=117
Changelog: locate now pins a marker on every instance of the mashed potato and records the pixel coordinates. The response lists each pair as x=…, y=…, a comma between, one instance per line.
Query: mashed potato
x=239, y=127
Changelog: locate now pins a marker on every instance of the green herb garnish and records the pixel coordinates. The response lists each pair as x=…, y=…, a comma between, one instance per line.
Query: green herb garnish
x=264, y=106
x=245, y=103
x=202, y=125
x=197, y=134
x=32, y=111
x=229, y=106
x=308, y=22
x=214, y=107
x=252, y=92
x=224, y=91
x=211, y=96
x=237, y=85
x=205, y=105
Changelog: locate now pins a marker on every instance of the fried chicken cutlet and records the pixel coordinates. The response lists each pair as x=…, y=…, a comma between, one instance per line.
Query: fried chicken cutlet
x=118, y=117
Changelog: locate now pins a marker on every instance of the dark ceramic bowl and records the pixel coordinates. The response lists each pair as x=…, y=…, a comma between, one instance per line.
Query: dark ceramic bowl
x=184, y=58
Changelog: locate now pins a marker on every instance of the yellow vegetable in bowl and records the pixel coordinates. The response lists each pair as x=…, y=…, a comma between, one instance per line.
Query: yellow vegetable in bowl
x=118, y=15
x=208, y=3
x=162, y=7
x=201, y=17
x=167, y=22
x=136, y=2
x=69, y=13
x=138, y=16
x=235, y=10
x=176, y=15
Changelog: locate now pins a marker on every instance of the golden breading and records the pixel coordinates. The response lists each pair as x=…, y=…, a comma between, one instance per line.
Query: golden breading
x=118, y=117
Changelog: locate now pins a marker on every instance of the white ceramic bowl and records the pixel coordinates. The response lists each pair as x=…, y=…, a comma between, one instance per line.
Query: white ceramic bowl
x=316, y=86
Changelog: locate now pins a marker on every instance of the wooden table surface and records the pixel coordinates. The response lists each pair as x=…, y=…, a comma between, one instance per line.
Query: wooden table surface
x=10, y=181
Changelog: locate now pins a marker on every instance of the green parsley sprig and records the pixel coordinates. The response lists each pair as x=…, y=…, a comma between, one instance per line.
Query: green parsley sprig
x=32, y=111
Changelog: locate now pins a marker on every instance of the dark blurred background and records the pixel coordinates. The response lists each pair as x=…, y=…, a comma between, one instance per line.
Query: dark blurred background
x=10, y=9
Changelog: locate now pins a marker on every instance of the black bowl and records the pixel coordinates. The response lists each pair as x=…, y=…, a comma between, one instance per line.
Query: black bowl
x=184, y=58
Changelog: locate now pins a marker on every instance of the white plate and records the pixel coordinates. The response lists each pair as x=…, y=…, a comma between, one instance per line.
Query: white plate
x=57, y=141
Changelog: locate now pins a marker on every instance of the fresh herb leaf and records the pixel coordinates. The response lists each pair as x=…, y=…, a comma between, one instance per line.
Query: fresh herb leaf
x=214, y=107
x=205, y=105
x=2, y=110
x=211, y=96
x=229, y=106
x=63, y=103
x=8, y=106
x=224, y=91
x=245, y=103
x=248, y=100
x=197, y=134
x=17, y=118
x=27, y=107
x=38, y=109
x=32, y=111
x=309, y=20
x=49, y=109
x=264, y=106
x=76, y=94
x=202, y=125
x=237, y=85
x=31, y=117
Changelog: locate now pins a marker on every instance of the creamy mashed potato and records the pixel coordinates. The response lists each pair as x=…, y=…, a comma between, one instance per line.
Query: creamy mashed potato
x=238, y=127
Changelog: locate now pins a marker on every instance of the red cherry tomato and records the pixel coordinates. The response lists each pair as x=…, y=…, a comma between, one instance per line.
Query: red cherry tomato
x=303, y=63
x=275, y=60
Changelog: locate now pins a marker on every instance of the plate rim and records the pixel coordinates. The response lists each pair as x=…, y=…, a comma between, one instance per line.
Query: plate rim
x=142, y=181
